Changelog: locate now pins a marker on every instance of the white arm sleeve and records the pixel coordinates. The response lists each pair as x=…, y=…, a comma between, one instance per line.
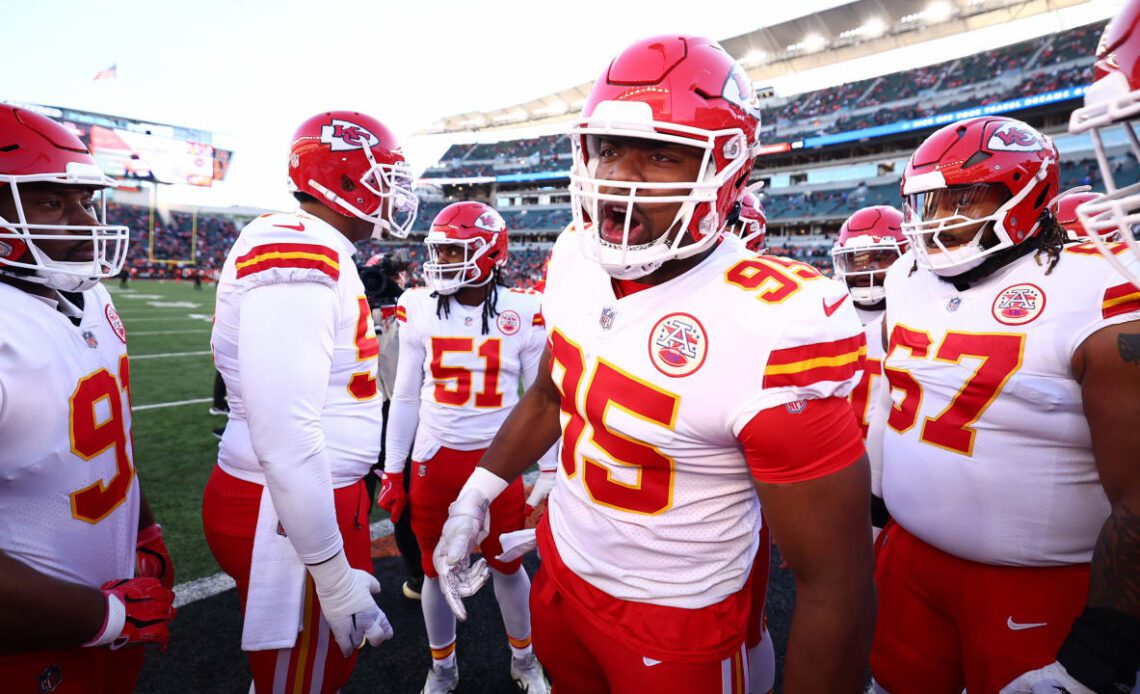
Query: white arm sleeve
x=531, y=359
x=404, y=411
x=284, y=370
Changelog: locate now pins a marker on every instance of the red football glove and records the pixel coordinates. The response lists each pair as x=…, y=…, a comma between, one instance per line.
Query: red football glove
x=393, y=498
x=151, y=556
x=139, y=610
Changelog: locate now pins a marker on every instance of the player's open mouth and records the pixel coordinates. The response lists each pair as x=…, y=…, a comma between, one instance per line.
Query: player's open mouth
x=613, y=224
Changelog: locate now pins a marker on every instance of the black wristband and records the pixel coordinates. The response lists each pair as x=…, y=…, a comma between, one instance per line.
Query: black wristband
x=879, y=513
x=1102, y=650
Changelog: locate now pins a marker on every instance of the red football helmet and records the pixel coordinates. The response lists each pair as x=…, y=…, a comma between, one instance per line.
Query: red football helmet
x=36, y=149
x=353, y=164
x=869, y=242
x=962, y=168
x=1064, y=208
x=1114, y=98
x=675, y=90
x=482, y=234
x=751, y=223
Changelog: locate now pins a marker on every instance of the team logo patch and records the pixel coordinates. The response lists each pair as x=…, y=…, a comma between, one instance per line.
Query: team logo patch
x=490, y=221
x=678, y=345
x=341, y=135
x=1019, y=304
x=509, y=322
x=50, y=679
x=116, y=323
x=1013, y=137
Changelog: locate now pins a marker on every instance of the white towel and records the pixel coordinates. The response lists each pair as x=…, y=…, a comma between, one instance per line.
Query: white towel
x=276, y=586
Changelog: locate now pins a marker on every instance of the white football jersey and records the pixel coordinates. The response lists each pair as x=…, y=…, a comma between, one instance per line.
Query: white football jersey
x=299, y=248
x=468, y=381
x=69, y=497
x=866, y=395
x=987, y=453
x=654, y=500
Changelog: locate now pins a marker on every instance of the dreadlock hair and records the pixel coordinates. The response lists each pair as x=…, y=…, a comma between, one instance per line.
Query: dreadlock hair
x=490, y=300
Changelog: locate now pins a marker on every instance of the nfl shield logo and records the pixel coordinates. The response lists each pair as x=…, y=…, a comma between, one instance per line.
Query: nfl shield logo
x=953, y=304
x=421, y=470
x=606, y=320
x=89, y=338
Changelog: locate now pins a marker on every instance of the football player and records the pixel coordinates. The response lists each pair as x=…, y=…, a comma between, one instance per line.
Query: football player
x=83, y=567
x=1009, y=438
x=748, y=222
x=465, y=342
x=868, y=243
x=286, y=509
x=683, y=375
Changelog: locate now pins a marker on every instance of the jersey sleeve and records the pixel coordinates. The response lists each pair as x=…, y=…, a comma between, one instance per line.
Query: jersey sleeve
x=404, y=411
x=278, y=251
x=820, y=352
x=801, y=442
x=1118, y=303
x=284, y=370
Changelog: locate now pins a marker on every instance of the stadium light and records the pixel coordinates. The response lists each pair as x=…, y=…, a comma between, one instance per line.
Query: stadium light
x=810, y=44
x=938, y=11
x=873, y=28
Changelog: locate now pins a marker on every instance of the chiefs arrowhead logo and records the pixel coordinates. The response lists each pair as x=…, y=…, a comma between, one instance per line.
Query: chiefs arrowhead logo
x=342, y=135
x=490, y=221
x=1014, y=137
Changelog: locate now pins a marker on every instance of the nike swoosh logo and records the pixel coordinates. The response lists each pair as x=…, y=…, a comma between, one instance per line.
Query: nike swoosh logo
x=1015, y=626
x=650, y=662
x=828, y=310
x=293, y=227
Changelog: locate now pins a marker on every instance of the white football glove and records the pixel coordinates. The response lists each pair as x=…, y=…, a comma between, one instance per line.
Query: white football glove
x=541, y=488
x=516, y=544
x=1051, y=679
x=468, y=524
x=346, y=601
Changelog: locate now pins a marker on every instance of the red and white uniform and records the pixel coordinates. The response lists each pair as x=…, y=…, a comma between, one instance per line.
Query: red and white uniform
x=995, y=423
x=69, y=497
x=458, y=384
x=866, y=395
x=454, y=388
x=988, y=470
x=305, y=427
x=655, y=505
x=303, y=250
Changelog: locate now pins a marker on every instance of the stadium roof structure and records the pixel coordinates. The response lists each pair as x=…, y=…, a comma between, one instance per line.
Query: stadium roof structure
x=831, y=37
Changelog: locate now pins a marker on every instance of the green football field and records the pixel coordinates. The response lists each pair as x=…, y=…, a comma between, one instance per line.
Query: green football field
x=172, y=378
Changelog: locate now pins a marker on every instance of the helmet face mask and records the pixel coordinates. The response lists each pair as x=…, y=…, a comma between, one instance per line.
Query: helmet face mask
x=478, y=233
x=354, y=165
x=1113, y=99
x=869, y=242
x=41, y=157
x=751, y=225
x=700, y=99
x=975, y=188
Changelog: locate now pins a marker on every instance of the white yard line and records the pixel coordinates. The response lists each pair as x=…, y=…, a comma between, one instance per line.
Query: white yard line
x=162, y=405
x=136, y=357
x=168, y=332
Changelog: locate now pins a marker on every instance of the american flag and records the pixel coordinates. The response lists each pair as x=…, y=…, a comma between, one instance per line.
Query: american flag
x=107, y=73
